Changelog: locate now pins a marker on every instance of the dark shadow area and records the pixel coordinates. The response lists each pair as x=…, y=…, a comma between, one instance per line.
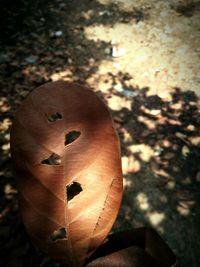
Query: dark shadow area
x=187, y=9
x=27, y=18
x=16, y=247
x=45, y=41
x=19, y=18
x=138, y=243
x=165, y=152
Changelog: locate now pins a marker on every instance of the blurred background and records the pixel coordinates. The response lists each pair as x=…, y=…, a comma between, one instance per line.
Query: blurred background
x=142, y=58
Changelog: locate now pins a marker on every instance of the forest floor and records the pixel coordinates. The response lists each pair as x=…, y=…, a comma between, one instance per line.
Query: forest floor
x=142, y=57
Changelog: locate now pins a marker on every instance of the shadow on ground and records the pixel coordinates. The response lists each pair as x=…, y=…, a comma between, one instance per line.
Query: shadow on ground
x=160, y=157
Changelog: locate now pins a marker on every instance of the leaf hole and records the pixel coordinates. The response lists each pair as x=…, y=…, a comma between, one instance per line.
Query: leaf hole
x=73, y=190
x=71, y=137
x=54, y=159
x=58, y=234
x=54, y=117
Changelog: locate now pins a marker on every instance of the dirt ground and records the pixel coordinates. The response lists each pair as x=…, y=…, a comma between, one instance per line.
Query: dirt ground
x=142, y=57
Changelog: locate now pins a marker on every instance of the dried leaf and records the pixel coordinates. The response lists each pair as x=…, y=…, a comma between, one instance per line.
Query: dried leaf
x=67, y=159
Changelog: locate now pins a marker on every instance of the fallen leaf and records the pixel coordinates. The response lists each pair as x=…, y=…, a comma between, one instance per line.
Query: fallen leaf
x=67, y=158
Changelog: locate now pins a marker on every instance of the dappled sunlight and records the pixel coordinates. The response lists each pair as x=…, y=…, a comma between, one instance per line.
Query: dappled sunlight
x=155, y=218
x=170, y=184
x=4, y=106
x=145, y=152
x=159, y=172
x=184, y=207
x=163, y=149
x=6, y=147
x=38, y=74
x=142, y=58
x=66, y=75
x=5, y=125
x=161, y=61
x=142, y=201
x=149, y=123
x=130, y=165
x=127, y=183
x=9, y=191
x=164, y=191
x=194, y=140
x=116, y=103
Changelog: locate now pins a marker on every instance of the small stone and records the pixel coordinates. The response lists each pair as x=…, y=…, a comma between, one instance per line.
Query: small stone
x=58, y=33
x=105, y=12
x=129, y=93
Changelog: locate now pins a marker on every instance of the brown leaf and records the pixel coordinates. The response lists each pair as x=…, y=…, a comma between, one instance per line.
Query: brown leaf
x=67, y=159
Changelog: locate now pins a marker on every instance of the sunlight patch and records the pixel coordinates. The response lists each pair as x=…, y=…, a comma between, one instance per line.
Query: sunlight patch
x=117, y=103
x=142, y=201
x=145, y=151
x=127, y=183
x=64, y=75
x=184, y=207
x=130, y=165
x=155, y=218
